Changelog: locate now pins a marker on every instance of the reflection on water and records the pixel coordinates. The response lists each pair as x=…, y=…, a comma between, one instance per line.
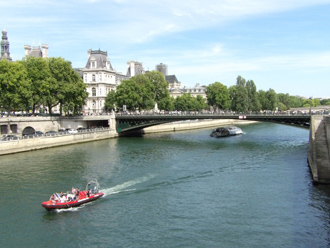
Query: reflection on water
x=182, y=189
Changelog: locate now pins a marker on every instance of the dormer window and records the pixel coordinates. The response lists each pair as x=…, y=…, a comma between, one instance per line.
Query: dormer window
x=93, y=63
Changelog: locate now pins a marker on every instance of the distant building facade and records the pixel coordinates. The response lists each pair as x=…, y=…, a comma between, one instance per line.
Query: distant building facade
x=5, y=54
x=194, y=91
x=134, y=69
x=100, y=78
x=36, y=51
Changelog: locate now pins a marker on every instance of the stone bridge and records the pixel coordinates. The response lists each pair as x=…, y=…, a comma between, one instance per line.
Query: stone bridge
x=133, y=122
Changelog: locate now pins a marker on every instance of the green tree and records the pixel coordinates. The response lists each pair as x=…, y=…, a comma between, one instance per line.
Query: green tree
x=110, y=102
x=284, y=101
x=239, y=95
x=271, y=100
x=307, y=103
x=75, y=95
x=296, y=102
x=316, y=102
x=253, y=100
x=200, y=103
x=263, y=99
x=218, y=96
x=146, y=92
x=325, y=102
x=160, y=89
x=65, y=83
x=39, y=75
x=14, y=86
x=128, y=93
x=166, y=103
x=184, y=102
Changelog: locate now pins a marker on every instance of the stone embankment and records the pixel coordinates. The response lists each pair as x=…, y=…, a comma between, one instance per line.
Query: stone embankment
x=36, y=143
x=319, y=149
x=23, y=145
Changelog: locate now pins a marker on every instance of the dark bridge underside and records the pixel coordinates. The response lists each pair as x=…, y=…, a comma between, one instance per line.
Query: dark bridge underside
x=135, y=122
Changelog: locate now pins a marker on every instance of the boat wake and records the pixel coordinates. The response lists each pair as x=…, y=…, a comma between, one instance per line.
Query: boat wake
x=125, y=187
x=68, y=209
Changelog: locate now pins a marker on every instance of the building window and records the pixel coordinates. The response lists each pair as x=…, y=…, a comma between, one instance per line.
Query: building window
x=93, y=92
x=100, y=91
x=93, y=77
x=100, y=77
x=85, y=78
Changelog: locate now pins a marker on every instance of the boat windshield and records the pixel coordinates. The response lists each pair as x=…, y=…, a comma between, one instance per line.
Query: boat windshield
x=93, y=186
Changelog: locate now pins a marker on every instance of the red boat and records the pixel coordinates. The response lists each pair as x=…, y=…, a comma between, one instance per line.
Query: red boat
x=74, y=198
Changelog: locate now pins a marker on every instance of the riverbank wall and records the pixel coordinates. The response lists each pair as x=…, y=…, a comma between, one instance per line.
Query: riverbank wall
x=319, y=149
x=30, y=144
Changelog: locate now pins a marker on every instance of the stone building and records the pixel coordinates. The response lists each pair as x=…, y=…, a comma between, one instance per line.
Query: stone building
x=36, y=51
x=100, y=78
x=134, y=69
x=194, y=91
x=5, y=54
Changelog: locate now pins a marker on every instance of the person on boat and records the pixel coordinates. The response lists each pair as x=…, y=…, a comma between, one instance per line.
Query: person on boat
x=77, y=193
x=54, y=198
x=73, y=190
x=62, y=197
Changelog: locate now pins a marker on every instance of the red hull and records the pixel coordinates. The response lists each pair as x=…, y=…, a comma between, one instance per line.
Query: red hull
x=61, y=205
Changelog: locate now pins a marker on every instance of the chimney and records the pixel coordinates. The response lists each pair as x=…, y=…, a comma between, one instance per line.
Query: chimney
x=89, y=52
x=27, y=50
x=44, y=50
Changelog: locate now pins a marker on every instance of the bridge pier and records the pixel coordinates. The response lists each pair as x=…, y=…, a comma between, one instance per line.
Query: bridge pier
x=319, y=149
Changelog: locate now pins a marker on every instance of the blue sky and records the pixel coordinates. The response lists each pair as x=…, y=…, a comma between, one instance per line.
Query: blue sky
x=279, y=44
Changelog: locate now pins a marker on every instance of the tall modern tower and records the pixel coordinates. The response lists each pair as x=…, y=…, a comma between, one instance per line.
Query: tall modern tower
x=5, y=54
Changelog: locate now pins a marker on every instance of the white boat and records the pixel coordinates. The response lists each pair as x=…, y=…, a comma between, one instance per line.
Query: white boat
x=235, y=130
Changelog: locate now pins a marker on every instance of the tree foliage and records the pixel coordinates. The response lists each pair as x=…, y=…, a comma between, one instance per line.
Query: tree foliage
x=39, y=75
x=253, y=100
x=14, y=86
x=41, y=82
x=218, y=96
x=141, y=92
x=239, y=95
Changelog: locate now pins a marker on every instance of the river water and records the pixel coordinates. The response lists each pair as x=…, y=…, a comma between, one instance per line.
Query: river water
x=181, y=189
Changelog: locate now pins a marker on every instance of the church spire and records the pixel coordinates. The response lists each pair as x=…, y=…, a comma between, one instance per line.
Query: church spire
x=5, y=54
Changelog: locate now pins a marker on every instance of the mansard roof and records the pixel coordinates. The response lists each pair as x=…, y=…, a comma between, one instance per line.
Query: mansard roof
x=36, y=52
x=171, y=79
x=100, y=57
